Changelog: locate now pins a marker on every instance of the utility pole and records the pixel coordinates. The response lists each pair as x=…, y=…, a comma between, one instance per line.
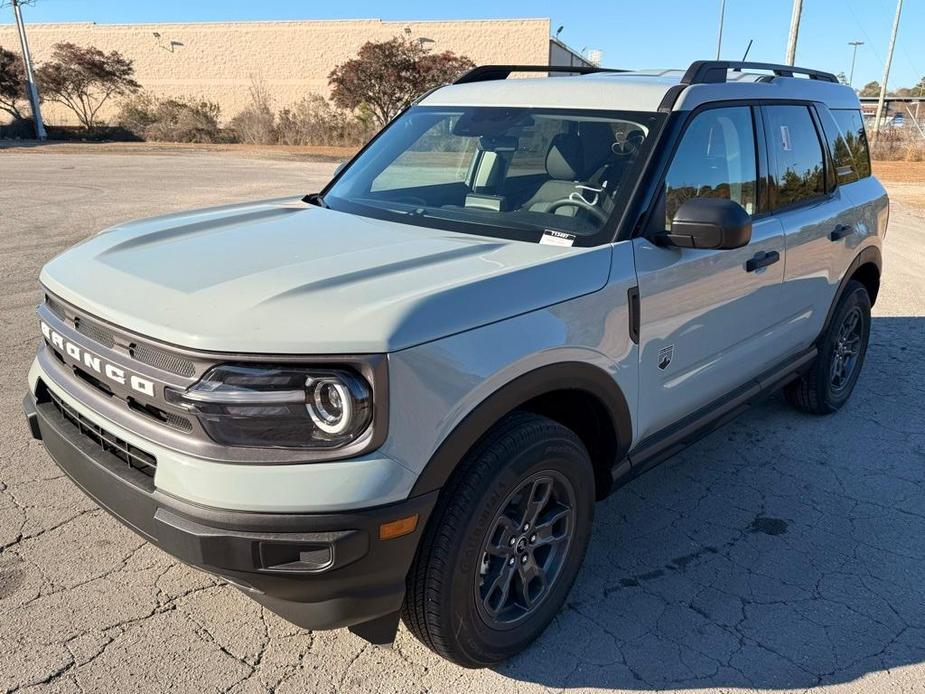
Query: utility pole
x=794, y=31
x=854, y=56
x=886, y=69
x=30, y=77
x=722, y=16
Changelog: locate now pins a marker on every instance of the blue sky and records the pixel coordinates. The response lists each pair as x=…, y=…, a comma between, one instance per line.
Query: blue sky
x=653, y=33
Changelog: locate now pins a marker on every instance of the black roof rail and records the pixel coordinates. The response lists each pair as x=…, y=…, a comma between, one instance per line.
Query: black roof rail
x=484, y=73
x=714, y=71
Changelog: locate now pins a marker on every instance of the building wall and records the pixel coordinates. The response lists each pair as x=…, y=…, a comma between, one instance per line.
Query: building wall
x=217, y=61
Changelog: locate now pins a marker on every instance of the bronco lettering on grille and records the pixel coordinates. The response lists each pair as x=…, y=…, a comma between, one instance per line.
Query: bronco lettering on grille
x=108, y=371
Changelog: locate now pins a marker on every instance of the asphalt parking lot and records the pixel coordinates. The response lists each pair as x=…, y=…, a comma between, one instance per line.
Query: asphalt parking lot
x=781, y=553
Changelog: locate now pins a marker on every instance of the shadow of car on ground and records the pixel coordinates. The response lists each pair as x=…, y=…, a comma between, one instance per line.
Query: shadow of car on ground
x=783, y=551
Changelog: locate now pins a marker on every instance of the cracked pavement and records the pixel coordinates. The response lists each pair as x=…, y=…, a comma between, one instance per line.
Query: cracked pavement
x=783, y=552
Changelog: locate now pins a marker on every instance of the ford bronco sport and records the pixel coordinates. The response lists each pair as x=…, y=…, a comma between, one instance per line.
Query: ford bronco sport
x=401, y=396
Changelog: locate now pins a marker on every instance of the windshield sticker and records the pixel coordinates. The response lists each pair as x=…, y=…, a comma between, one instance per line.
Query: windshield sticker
x=557, y=238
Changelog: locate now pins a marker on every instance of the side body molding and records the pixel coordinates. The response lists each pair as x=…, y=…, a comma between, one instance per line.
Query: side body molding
x=576, y=376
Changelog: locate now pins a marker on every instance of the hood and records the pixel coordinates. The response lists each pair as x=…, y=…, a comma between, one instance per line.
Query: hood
x=284, y=277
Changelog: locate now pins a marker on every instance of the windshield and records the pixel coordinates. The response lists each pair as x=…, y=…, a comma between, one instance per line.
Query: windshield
x=518, y=173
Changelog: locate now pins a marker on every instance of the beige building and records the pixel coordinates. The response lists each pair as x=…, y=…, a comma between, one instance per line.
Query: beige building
x=218, y=61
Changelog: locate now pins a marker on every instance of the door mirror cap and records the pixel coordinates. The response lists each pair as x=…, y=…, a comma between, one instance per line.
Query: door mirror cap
x=714, y=223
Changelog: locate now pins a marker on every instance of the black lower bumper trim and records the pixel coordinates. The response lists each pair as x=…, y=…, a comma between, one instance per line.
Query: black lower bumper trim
x=319, y=571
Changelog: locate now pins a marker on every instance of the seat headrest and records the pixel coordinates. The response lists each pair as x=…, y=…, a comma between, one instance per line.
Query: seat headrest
x=565, y=160
x=596, y=139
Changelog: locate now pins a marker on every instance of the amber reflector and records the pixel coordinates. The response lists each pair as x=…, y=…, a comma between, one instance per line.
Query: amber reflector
x=397, y=528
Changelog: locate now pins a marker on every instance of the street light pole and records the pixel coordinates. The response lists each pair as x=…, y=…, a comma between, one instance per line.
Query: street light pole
x=30, y=78
x=854, y=56
x=722, y=16
x=886, y=69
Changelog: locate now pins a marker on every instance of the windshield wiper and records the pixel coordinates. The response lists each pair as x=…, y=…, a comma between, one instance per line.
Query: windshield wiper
x=314, y=199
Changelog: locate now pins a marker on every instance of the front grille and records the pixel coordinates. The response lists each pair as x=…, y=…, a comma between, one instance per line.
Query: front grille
x=101, y=335
x=162, y=360
x=95, y=332
x=135, y=457
x=56, y=308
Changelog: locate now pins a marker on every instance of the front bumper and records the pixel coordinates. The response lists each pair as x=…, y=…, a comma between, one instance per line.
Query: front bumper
x=317, y=570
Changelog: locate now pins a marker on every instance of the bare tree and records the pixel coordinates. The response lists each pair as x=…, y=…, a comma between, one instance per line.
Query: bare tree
x=83, y=79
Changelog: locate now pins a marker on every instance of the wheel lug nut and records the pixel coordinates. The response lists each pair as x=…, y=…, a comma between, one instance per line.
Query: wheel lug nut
x=523, y=559
x=526, y=527
x=512, y=542
x=533, y=538
x=510, y=562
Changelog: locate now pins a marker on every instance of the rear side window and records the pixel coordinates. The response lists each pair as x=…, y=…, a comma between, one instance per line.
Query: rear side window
x=795, y=154
x=853, y=139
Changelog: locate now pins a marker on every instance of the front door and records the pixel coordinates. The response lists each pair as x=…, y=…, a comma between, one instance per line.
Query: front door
x=708, y=322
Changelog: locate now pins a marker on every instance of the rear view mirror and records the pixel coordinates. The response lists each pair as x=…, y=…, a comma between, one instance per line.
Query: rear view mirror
x=708, y=223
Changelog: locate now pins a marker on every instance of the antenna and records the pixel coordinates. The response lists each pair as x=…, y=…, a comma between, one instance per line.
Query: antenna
x=750, y=41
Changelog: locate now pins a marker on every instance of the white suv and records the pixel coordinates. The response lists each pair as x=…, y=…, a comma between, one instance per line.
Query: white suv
x=402, y=395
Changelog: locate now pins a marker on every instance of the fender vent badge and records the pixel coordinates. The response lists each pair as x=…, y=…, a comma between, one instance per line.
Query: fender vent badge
x=664, y=357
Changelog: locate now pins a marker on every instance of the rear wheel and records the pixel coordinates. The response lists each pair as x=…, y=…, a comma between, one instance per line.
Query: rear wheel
x=500, y=555
x=832, y=377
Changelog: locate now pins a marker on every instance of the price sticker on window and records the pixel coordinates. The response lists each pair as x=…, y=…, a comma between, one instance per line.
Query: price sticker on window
x=785, y=138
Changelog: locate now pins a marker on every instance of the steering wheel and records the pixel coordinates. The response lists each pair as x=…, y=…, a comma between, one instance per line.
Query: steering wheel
x=595, y=212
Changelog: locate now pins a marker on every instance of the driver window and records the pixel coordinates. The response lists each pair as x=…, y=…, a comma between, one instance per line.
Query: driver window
x=716, y=159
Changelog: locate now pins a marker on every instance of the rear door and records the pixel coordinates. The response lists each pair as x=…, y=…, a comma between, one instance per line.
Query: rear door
x=708, y=323
x=819, y=220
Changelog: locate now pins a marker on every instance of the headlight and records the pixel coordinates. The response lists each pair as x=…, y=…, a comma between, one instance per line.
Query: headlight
x=278, y=406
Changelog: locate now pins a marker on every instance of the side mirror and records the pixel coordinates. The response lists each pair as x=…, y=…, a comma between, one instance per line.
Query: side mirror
x=708, y=223
x=339, y=168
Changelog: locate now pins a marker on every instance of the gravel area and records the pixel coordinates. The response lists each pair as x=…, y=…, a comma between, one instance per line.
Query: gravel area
x=781, y=553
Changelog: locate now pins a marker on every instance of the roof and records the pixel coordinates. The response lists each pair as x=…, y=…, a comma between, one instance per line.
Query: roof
x=641, y=90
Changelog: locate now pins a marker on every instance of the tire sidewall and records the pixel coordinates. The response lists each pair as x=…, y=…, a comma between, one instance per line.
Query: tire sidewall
x=473, y=635
x=855, y=297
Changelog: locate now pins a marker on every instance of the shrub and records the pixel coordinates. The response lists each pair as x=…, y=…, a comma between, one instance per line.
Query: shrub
x=256, y=124
x=171, y=120
x=313, y=121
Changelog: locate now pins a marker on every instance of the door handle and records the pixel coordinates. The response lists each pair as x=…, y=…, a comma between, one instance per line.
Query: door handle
x=840, y=232
x=762, y=260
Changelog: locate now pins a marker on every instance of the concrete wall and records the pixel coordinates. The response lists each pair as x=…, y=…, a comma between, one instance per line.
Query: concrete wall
x=216, y=60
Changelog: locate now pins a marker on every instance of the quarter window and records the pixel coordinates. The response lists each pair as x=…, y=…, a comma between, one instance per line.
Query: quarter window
x=851, y=128
x=796, y=154
x=715, y=159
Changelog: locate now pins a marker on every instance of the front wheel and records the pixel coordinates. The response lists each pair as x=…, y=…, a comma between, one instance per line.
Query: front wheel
x=831, y=378
x=505, y=544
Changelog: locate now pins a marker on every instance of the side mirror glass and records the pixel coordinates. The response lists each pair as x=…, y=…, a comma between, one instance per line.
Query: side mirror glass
x=708, y=223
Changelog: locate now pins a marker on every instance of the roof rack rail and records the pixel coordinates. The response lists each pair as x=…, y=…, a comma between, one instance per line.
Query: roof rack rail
x=484, y=73
x=714, y=71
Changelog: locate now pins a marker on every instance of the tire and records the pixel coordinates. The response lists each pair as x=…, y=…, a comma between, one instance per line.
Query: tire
x=456, y=602
x=819, y=391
